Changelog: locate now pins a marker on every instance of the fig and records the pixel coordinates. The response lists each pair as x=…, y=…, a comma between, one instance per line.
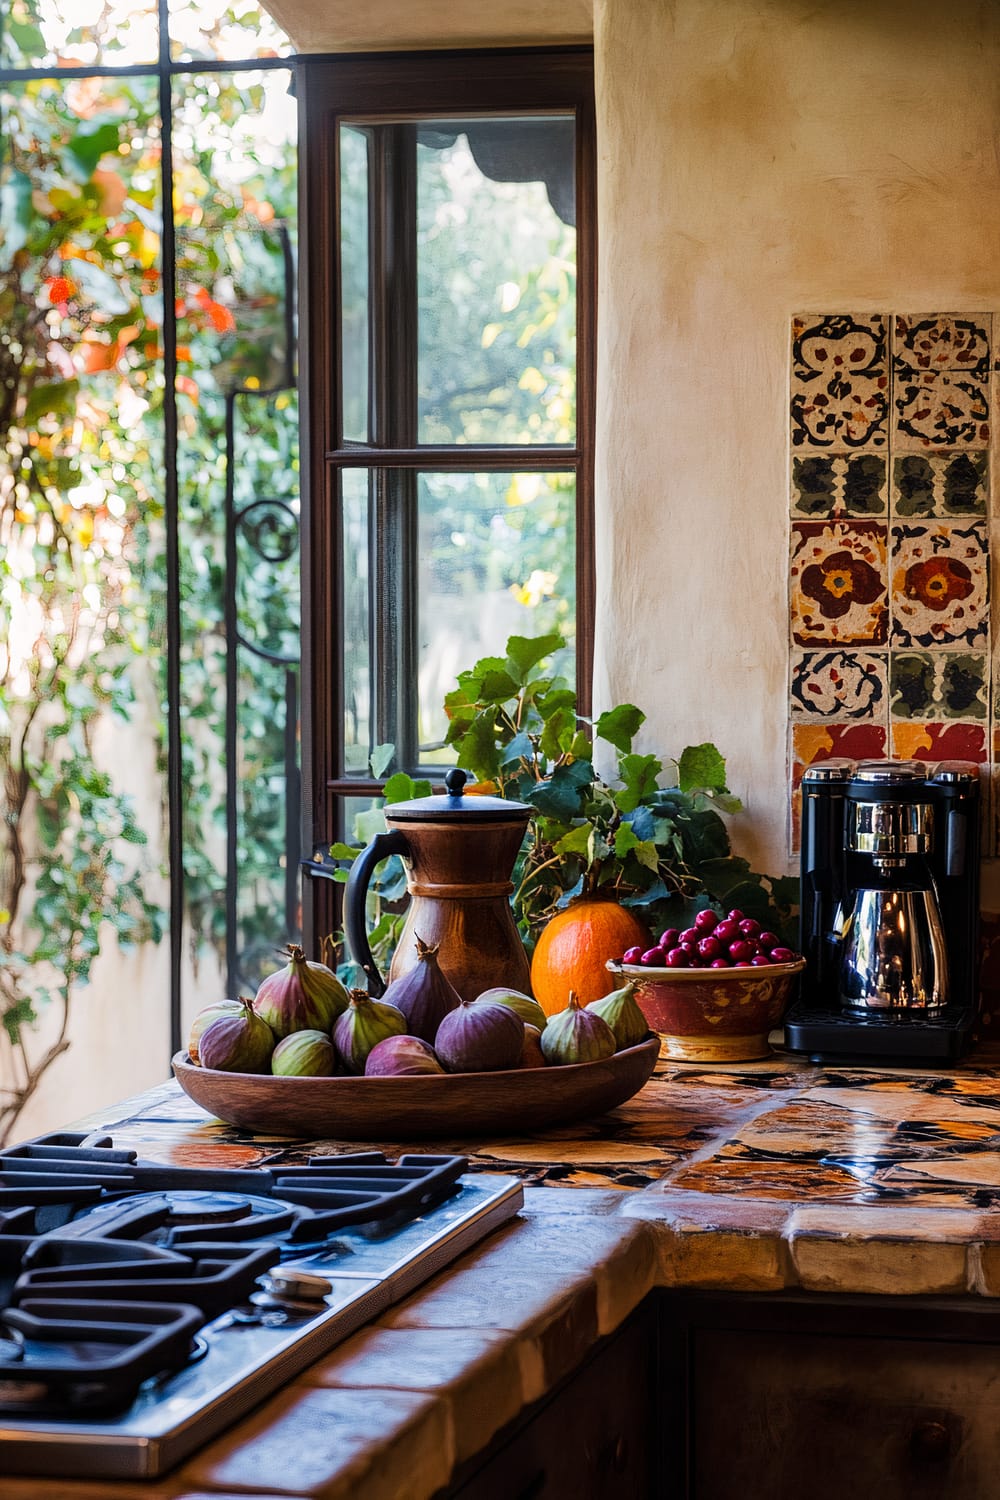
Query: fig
x=399, y=1056
x=480, y=1036
x=303, y=996
x=621, y=1011
x=423, y=994
x=237, y=1044
x=532, y=1055
x=205, y=1017
x=576, y=1035
x=523, y=1005
x=304, y=1054
x=363, y=1025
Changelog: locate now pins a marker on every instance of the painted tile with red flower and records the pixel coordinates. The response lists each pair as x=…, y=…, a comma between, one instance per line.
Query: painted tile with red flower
x=839, y=586
x=940, y=585
x=811, y=743
x=840, y=382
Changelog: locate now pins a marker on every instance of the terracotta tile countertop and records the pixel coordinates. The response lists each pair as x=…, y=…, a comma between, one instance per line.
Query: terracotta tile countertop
x=755, y=1177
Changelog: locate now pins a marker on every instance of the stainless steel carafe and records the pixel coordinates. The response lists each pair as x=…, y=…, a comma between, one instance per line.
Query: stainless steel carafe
x=893, y=950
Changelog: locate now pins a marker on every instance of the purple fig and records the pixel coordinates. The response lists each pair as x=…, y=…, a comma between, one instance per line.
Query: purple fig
x=423, y=994
x=303, y=996
x=304, y=1054
x=480, y=1036
x=576, y=1035
x=399, y=1056
x=237, y=1044
x=363, y=1025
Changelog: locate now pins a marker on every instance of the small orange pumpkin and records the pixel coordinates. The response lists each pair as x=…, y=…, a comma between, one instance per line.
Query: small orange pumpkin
x=574, y=947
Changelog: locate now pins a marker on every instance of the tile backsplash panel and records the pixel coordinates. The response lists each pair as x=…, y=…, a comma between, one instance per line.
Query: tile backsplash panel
x=890, y=645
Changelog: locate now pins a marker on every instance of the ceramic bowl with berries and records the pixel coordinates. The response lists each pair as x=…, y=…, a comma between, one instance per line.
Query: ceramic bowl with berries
x=715, y=991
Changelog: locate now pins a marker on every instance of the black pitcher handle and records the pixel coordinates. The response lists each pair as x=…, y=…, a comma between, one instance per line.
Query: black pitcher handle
x=355, y=902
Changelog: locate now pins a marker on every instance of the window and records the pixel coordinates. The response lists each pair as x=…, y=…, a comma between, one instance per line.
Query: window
x=447, y=319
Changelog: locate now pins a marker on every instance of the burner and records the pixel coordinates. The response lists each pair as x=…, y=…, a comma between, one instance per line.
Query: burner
x=144, y=1307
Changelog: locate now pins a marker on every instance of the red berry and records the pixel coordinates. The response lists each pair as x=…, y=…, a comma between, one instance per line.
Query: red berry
x=750, y=928
x=669, y=939
x=719, y=963
x=632, y=956
x=735, y=915
x=652, y=958
x=743, y=964
x=783, y=955
x=710, y=947
x=678, y=959
x=706, y=920
x=741, y=951
x=759, y=960
x=727, y=930
x=690, y=935
x=769, y=940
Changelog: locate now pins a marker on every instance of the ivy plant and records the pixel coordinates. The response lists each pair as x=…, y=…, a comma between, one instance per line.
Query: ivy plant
x=651, y=835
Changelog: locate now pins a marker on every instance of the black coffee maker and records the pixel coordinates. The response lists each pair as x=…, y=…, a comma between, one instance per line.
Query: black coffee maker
x=889, y=911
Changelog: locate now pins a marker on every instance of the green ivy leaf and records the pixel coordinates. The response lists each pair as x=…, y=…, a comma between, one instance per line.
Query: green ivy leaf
x=701, y=766
x=497, y=687
x=403, y=788
x=381, y=759
x=477, y=748
x=576, y=841
x=344, y=851
x=561, y=796
x=639, y=773
x=558, y=734
x=620, y=725
x=519, y=748
x=525, y=652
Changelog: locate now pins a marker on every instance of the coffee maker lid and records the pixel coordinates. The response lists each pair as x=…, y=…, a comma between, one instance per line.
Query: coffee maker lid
x=891, y=772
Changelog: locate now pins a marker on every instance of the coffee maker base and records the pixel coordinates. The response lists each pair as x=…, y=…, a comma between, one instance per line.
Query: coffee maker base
x=829, y=1034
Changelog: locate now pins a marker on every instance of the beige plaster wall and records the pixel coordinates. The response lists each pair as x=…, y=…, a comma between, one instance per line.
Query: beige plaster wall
x=347, y=26
x=757, y=160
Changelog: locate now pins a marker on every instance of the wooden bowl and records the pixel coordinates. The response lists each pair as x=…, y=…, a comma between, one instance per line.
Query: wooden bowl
x=713, y=1015
x=444, y=1106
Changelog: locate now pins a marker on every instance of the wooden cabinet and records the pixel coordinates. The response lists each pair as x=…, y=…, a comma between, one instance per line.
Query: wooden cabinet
x=594, y=1439
x=831, y=1399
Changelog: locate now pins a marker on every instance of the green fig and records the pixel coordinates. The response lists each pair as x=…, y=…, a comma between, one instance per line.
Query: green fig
x=363, y=1025
x=529, y=1010
x=304, y=1054
x=576, y=1035
x=621, y=1011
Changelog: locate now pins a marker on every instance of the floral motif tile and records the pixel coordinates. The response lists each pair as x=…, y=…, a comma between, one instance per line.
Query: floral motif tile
x=940, y=484
x=839, y=586
x=849, y=685
x=940, y=585
x=932, y=742
x=829, y=484
x=840, y=382
x=939, y=409
x=942, y=341
x=938, y=684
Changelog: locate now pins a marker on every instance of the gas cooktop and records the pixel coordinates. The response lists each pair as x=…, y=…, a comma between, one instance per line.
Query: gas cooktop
x=144, y=1307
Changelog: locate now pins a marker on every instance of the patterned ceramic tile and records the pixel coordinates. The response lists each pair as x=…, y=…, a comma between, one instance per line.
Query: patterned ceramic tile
x=839, y=583
x=819, y=742
x=849, y=685
x=940, y=585
x=830, y=484
x=942, y=342
x=939, y=409
x=840, y=382
x=938, y=684
x=940, y=484
x=932, y=742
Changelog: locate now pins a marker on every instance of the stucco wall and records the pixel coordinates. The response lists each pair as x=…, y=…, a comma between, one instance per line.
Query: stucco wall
x=346, y=26
x=757, y=160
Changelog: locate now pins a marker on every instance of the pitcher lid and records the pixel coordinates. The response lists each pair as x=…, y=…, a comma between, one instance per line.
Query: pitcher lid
x=454, y=806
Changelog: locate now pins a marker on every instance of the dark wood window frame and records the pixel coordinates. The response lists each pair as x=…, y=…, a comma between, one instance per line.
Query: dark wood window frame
x=400, y=87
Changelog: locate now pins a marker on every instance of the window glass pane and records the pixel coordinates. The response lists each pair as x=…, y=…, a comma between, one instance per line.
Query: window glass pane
x=238, y=468
x=224, y=31
x=354, y=294
x=497, y=556
x=496, y=251
x=78, y=33
x=356, y=639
